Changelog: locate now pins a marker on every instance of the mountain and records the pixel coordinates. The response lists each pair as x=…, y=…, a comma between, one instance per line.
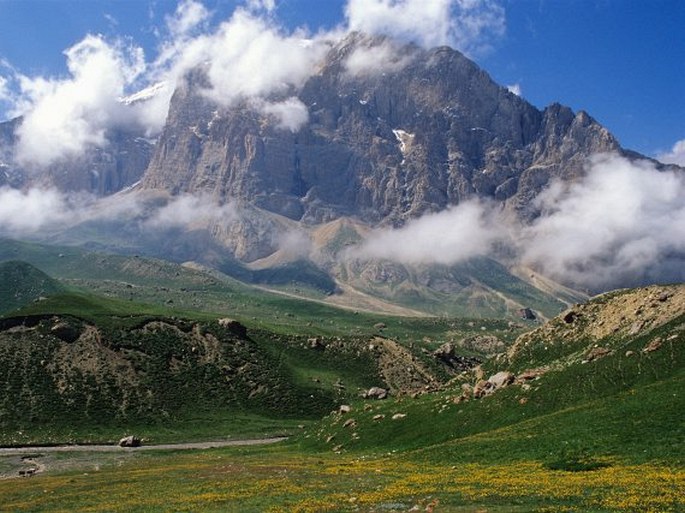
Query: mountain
x=269, y=196
x=382, y=145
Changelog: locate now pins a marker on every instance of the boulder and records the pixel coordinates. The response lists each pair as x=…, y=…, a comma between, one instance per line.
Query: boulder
x=483, y=388
x=654, y=345
x=344, y=408
x=596, y=353
x=349, y=423
x=376, y=393
x=130, y=441
x=501, y=379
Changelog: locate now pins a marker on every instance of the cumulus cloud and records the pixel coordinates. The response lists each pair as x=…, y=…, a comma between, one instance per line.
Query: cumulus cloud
x=189, y=15
x=468, y=25
x=514, y=89
x=624, y=223
x=261, y=5
x=248, y=56
x=468, y=230
x=245, y=58
x=65, y=116
x=675, y=156
x=380, y=58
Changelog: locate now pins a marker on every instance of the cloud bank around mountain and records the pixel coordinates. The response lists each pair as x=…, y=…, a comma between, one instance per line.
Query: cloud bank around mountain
x=248, y=56
x=675, y=156
x=468, y=25
x=622, y=224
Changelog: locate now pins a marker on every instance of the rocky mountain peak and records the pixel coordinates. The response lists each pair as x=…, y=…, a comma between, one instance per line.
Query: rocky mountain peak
x=394, y=131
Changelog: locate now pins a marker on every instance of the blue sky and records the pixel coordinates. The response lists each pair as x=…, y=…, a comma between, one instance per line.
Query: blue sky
x=620, y=60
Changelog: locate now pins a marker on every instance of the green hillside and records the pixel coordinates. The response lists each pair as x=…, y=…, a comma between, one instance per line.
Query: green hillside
x=21, y=283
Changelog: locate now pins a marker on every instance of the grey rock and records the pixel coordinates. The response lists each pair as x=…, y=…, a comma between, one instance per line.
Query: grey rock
x=130, y=441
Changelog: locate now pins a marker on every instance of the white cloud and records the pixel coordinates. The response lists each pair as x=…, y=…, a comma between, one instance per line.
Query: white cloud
x=23, y=212
x=468, y=25
x=187, y=210
x=261, y=5
x=189, y=15
x=623, y=223
x=62, y=117
x=248, y=57
x=468, y=230
x=291, y=114
x=675, y=156
x=514, y=89
x=295, y=244
x=4, y=90
x=380, y=58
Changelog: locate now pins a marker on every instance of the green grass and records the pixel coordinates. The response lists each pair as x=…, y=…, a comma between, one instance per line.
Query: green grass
x=21, y=284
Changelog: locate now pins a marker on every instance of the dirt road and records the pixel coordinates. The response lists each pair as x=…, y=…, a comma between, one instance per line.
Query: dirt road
x=33, y=460
x=161, y=447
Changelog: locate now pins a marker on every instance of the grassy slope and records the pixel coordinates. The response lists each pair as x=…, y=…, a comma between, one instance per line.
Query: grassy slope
x=22, y=283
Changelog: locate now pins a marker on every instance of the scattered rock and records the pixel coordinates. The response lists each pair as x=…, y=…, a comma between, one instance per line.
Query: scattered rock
x=376, y=393
x=501, y=379
x=596, y=353
x=636, y=327
x=483, y=388
x=527, y=314
x=530, y=374
x=654, y=345
x=399, y=416
x=380, y=416
x=447, y=354
x=349, y=423
x=315, y=343
x=663, y=297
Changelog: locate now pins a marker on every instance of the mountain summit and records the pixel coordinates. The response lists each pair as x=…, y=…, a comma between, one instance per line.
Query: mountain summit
x=391, y=132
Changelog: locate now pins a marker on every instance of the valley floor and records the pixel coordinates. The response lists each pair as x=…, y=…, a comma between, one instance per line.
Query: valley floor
x=281, y=478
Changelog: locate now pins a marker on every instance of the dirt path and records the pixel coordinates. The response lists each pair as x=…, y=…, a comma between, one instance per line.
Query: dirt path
x=161, y=447
x=28, y=459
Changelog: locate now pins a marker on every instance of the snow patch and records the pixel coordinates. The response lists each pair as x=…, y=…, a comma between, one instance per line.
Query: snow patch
x=405, y=139
x=144, y=94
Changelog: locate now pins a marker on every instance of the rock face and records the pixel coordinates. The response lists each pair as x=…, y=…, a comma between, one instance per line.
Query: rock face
x=380, y=146
x=100, y=170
